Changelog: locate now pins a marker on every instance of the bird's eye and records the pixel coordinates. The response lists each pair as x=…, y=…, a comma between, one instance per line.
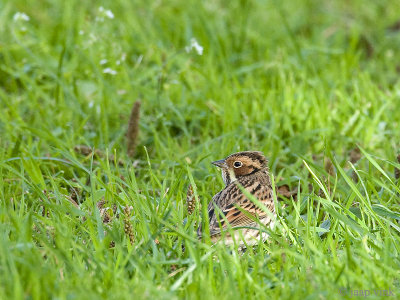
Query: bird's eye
x=237, y=164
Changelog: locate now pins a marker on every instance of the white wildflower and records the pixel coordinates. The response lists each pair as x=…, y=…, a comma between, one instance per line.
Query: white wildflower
x=20, y=16
x=106, y=12
x=103, y=61
x=109, y=14
x=81, y=32
x=109, y=71
x=194, y=45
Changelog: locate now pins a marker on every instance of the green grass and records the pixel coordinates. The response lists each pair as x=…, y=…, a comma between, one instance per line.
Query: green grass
x=292, y=79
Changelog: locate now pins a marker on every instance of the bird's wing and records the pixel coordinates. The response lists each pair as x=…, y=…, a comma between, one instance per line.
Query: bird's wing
x=229, y=200
x=210, y=210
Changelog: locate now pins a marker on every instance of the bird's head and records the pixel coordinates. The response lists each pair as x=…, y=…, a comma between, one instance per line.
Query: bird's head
x=241, y=164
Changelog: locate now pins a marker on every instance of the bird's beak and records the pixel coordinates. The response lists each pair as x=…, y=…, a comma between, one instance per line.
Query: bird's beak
x=220, y=163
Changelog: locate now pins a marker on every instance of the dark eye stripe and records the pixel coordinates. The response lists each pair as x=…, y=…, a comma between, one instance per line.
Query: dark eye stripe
x=255, y=169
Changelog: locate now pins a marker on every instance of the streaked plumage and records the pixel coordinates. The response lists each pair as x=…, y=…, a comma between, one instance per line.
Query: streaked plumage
x=248, y=169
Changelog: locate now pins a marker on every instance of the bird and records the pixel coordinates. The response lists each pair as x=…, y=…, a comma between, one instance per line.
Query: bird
x=231, y=211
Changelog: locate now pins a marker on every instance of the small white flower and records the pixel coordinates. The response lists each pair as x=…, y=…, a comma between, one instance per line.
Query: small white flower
x=106, y=12
x=109, y=71
x=109, y=14
x=20, y=16
x=103, y=61
x=194, y=45
x=81, y=32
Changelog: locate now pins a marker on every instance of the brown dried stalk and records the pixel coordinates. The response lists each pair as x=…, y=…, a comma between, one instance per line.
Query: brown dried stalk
x=190, y=200
x=105, y=216
x=329, y=168
x=355, y=155
x=133, y=128
x=397, y=170
x=128, y=228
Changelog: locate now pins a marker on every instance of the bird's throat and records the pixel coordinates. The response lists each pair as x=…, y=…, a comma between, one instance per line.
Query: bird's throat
x=232, y=175
x=228, y=176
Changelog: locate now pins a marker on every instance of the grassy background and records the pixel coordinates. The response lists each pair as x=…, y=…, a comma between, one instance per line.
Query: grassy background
x=304, y=82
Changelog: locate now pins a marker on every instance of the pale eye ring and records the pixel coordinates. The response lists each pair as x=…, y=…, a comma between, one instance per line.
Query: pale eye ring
x=237, y=164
